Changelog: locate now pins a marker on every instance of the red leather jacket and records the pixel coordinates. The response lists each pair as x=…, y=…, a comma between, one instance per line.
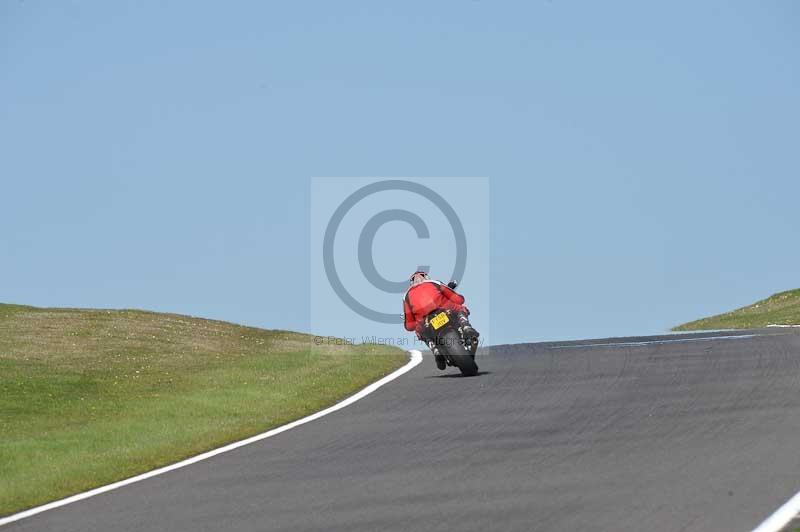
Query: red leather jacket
x=427, y=296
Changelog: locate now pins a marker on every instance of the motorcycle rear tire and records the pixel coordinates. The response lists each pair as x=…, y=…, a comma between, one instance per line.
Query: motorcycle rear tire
x=459, y=354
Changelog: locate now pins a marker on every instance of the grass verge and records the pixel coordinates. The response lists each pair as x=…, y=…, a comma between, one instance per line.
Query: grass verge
x=89, y=397
x=780, y=309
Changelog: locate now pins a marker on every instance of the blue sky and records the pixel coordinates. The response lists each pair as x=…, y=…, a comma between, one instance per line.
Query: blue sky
x=643, y=158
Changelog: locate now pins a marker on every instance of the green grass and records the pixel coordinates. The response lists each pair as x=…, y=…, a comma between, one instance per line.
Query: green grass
x=88, y=397
x=780, y=309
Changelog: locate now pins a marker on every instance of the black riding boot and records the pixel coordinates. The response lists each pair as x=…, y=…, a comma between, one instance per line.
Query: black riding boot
x=467, y=331
x=439, y=358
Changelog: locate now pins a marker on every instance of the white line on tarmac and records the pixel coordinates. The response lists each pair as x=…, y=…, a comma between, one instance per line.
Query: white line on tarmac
x=654, y=342
x=416, y=358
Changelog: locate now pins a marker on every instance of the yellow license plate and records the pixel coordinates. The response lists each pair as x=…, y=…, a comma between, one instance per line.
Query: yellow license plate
x=439, y=320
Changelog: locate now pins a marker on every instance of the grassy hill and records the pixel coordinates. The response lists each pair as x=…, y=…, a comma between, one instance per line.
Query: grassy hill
x=88, y=397
x=780, y=309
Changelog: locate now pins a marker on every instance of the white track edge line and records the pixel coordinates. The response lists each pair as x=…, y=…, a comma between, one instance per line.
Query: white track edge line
x=782, y=516
x=416, y=358
x=655, y=342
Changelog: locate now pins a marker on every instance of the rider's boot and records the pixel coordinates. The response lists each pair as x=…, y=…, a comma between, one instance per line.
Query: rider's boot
x=467, y=331
x=438, y=357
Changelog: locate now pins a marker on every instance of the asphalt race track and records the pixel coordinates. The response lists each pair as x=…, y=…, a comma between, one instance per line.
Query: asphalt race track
x=688, y=432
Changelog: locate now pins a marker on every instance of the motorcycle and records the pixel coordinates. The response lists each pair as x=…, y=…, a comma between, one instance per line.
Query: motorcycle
x=443, y=327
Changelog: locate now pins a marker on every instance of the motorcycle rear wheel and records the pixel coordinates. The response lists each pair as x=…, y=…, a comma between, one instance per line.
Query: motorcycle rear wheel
x=459, y=354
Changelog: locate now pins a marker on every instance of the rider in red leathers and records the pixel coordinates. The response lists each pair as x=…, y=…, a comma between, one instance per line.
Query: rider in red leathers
x=425, y=296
